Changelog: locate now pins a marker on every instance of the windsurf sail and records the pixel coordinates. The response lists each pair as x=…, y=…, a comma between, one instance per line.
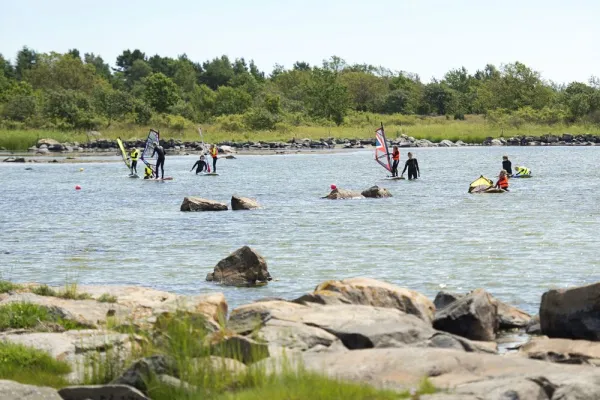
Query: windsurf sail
x=480, y=184
x=123, y=153
x=382, y=153
x=153, y=137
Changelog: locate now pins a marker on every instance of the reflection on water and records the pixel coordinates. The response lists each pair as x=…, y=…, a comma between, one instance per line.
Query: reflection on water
x=430, y=235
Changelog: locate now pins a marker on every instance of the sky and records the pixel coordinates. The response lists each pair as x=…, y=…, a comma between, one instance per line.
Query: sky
x=427, y=37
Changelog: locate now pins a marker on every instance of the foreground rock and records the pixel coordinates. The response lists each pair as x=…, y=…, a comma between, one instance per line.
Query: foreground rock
x=508, y=316
x=473, y=316
x=243, y=203
x=571, y=313
x=339, y=194
x=376, y=192
x=315, y=328
x=101, y=392
x=565, y=351
x=140, y=372
x=371, y=292
x=200, y=204
x=75, y=347
x=483, y=376
x=10, y=390
x=243, y=267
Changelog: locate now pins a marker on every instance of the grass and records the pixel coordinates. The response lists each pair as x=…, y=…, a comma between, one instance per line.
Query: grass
x=70, y=292
x=44, y=290
x=7, y=286
x=30, y=316
x=107, y=298
x=474, y=129
x=30, y=366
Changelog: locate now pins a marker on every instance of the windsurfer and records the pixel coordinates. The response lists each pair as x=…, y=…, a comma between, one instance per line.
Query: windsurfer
x=160, y=161
x=134, y=154
x=201, y=165
x=413, y=167
x=502, y=182
x=396, y=159
x=522, y=171
x=148, y=172
x=213, y=154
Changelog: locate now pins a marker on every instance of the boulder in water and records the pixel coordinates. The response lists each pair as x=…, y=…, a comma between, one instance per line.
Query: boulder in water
x=243, y=267
x=337, y=194
x=200, y=204
x=376, y=192
x=243, y=203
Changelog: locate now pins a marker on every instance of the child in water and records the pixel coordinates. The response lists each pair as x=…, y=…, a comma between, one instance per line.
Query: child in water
x=502, y=181
x=507, y=165
x=413, y=168
x=148, y=173
x=201, y=164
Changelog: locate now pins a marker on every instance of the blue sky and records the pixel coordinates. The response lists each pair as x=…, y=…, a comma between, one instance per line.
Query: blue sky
x=427, y=37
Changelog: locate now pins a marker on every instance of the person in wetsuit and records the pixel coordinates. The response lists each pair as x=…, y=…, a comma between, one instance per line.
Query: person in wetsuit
x=201, y=164
x=160, y=161
x=134, y=154
x=413, y=167
x=502, y=181
x=396, y=159
x=213, y=154
x=507, y=165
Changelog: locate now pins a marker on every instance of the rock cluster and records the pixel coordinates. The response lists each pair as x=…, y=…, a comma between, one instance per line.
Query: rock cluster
x=192, y=203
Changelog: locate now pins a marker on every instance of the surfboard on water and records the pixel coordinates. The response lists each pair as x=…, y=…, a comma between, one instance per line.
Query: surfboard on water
x=133, y=176
x=394, y=178
x=208, y=174
x=166, y=178
x=520, y=176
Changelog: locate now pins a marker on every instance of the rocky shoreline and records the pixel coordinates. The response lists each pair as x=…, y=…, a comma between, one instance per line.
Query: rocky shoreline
x=357, y=330
x=98, y=146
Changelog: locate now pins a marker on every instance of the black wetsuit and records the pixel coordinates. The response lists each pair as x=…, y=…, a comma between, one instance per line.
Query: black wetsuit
x=201, y=166
x=507, y=166
x=413, y=168
x=160, y=161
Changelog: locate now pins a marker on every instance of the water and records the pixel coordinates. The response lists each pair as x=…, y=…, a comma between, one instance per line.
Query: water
x=431, y=235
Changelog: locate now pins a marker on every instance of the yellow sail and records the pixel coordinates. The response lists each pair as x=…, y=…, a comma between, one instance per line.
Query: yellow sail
x=123, y=153
x=480, y=184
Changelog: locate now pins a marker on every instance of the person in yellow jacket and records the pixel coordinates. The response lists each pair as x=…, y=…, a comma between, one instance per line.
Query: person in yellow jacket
x=148, y=172
x=522, y=171
x=213, y=153
x=134, y=154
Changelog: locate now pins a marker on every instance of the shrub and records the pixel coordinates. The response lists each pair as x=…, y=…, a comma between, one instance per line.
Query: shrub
x=7, y=286
x=22, y=316
x=260, y=119
x=44, y=290
x=231, y=123
x=107, y=298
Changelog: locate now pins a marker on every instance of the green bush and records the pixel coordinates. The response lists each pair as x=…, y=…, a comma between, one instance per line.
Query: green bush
x=260, y=119
x=107, y=298
x=44, y=290
x=22, y=316
x=231, y=123
x=7, y=286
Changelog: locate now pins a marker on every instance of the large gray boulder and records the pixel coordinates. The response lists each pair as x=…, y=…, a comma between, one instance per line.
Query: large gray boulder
x=200, y=204
x=571, y=313
x=243, y=267
x=243, y=203
x=339, y=194
x=10, y=390
x=101, y=392
x=140, y=372
x=376, y=192
x=482, y=376
x=565, y=351
x=371, y=292
x=473, y=316
x=356, y=326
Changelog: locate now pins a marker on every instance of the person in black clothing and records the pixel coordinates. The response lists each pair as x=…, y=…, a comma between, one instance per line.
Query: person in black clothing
x=160, y=161
x=507, y=165
x=201, y=164
x=413, y=167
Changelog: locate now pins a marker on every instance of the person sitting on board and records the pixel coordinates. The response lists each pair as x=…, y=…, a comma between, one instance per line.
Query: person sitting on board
x=213, y=154
x=160, y=161
x=522, y=171
x=507, y=165
x=413, y=167
x=134, y=154
x=148, y=173
x=502, y=181
x=201, y=165
x=396, y=158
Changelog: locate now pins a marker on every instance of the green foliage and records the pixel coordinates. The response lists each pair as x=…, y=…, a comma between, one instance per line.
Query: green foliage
x=231, y=101
x=7, y=286
x=260, y=119
x=107, y=298
x=326, y=96
x=31, y=366
x=22, y=316
x=160, y=92
x=44, y=290
x=20, y=108
x=70, y=292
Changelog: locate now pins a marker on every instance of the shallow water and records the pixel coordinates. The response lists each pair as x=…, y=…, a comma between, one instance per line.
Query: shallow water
x=431, y=235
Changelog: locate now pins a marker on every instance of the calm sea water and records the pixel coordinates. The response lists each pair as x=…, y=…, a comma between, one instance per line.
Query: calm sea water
x=431, y=235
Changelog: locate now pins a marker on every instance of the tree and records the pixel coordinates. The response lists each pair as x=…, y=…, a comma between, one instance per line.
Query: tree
x=160, y=92
x=441, y=99
x=26, y=59
x=20, y=108
x=217, y=72
x=185, y=75
x=364, y=89
x=138, y=71
x=102, y=69
x=61, y=71
x=126, y=60
x=74, y=53
x=334, y=64
x=231, y=101
x=256, y=73
x=6, y=69
x=114, y=104
x=163, y=65
x=326, y=97
x=203, y=100
x=397, y=101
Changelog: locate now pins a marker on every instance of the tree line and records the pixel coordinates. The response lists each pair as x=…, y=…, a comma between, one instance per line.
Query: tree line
x=74, y=91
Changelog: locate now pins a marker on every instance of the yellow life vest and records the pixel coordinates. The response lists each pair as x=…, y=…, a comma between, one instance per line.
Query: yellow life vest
x=213, y=152
x=148, y=171
x=523, y=171
x=134, y=154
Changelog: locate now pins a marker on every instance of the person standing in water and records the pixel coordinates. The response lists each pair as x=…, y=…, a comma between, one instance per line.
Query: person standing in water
x=134, y=154
x=396, y=159
x=507, y=165
x=413, y=167
x=160, y=161
x=201, y=164
x=213, y=154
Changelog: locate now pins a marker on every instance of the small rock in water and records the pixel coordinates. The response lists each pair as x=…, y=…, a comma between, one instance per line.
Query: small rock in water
x=243, y=267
